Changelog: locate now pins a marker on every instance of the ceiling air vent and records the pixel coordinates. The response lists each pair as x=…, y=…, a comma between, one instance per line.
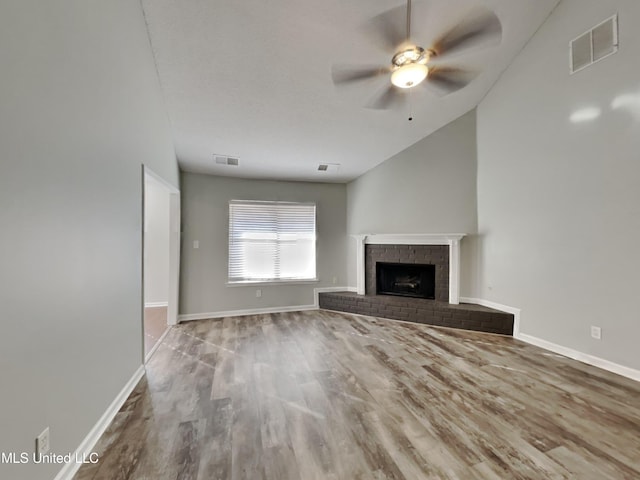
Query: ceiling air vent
x=223, y=160
x=328, y=167
x=594, y=45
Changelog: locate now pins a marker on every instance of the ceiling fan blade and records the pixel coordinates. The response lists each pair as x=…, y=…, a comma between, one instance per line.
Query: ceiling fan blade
x=389, y=29
x=388, y=98
x=481, y=27
x=446, y=80
x=344, y=75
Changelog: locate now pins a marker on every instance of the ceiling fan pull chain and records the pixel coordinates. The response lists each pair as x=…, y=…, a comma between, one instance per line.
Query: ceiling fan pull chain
x=410, y=107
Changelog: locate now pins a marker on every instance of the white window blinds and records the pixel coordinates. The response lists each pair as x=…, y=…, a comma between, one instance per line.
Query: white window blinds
x=271, y=241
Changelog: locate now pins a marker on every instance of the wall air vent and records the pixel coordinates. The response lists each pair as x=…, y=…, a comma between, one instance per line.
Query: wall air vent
x=224, y=160
x=329, y=167
x=594, y=45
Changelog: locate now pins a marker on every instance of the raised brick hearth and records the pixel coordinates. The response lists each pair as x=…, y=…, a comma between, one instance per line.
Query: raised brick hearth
x=419, y=310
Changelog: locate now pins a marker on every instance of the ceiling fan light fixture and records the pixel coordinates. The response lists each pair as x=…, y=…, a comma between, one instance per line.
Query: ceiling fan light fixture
x=409, y=75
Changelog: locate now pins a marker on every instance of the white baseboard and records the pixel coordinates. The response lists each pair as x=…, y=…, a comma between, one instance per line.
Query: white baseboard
x=258, y=311
x=69, y=470
x=239, y=313
x=156, y=304
x=555, y=348
x=582, y=357
x=497, y=306
x=157, y=345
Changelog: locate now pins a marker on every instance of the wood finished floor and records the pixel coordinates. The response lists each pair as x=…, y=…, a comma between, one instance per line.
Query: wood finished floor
x=155, y=324
x=324, y=395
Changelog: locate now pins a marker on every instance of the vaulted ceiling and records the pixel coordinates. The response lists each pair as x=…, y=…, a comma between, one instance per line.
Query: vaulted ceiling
x=252, y=79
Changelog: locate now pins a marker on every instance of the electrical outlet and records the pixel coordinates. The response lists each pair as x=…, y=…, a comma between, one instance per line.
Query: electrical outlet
x=258, y=293
x=196, y=244
x=334, y=280
x=42, y=443
x=596, y=332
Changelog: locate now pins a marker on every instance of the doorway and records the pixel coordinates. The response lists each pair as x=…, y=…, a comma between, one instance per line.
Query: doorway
x=160, y=259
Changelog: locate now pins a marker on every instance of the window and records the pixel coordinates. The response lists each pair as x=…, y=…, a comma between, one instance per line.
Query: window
x=271, y=241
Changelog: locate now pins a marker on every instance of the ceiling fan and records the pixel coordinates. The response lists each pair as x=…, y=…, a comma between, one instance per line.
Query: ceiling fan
x=412, y=65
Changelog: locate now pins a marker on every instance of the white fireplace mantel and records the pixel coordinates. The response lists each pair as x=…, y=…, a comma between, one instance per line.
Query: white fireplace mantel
x=451, y=239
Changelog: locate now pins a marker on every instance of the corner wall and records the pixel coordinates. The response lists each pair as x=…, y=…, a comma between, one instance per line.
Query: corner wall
x=80, y=112
x=205, y=218
x=558, y=196
x=428, y=188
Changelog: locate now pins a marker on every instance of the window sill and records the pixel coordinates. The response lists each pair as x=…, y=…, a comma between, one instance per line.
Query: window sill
x=250, y=283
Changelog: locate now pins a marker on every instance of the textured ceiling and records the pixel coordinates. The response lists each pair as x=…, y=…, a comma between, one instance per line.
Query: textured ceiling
x=252, y=79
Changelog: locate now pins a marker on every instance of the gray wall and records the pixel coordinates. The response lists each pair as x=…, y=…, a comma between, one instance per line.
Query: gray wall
x=80, y=111
x=559, y=203
x=205, y=207
x=156, y=242
x=428, y=188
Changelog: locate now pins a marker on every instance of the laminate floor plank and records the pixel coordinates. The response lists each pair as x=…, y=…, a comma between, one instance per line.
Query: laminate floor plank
x=334, y=396
x=216, y=455
x=567, y=419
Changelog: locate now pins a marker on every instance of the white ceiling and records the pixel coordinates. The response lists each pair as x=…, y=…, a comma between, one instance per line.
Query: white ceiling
x=252, y=79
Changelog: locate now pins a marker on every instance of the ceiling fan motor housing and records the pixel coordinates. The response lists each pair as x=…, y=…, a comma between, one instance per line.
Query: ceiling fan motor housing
x=410, y=67
x=411, y=55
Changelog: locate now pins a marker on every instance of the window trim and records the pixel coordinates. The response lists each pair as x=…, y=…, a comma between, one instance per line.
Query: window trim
x=257, y=283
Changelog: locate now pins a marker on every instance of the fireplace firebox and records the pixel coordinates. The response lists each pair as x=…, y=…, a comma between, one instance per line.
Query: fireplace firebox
x=406, y=280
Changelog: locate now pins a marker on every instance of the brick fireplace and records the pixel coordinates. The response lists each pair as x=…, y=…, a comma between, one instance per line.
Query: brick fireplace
x=436, y=255
x=440, y=251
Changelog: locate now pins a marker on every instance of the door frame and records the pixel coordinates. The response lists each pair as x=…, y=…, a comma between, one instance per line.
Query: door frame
x=174, y=249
